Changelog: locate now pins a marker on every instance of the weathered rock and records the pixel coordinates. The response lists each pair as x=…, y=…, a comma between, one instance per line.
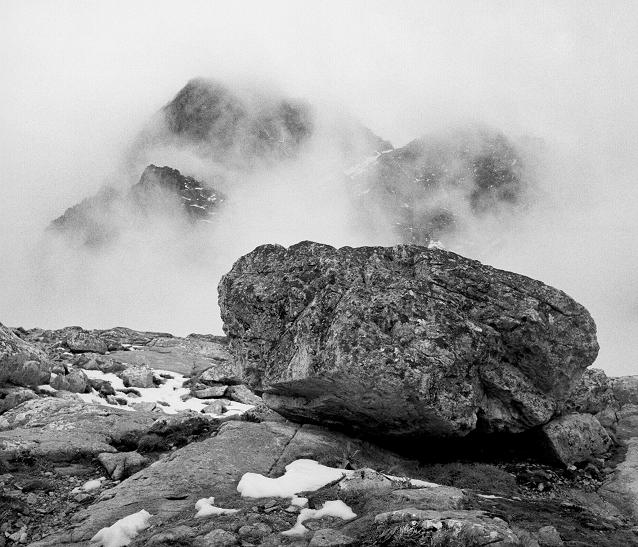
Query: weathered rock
x=327, y=537
x=625, y=389
x=591, y=394
x=210, y=392
x=137, y=377
x=176, y=535
x=189, y=356
x=402, y=341
x=482, y=529
x=622, y=488
x=76, y=381
x=242, y=394
x=12, y=397
x=626, y=425
x=120, y=465
x=21, y=363
x=548, y=536
x=103, y=364
x=576, y=438
x=65, y=430
x=437, y=497
x=85, y=342
x=103, y=387
x=215, y=407
x=217, y=538
x=366, y=480
x=171, y=486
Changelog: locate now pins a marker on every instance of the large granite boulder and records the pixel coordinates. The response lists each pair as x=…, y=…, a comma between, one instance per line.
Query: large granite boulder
x=402, y=341
x=21, y=363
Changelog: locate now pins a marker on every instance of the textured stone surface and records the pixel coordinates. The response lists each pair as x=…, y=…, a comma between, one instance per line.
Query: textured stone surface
x=622, y=488
x=402, y=341
x=76, y=381
x=84, y=342
x=122, y=464
x=21, y=363
x=576, y=438
x=137, y=377
x=67, y=429
x=438, y=497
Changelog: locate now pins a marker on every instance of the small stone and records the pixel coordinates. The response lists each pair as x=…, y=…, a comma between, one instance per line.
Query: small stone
x=32, y=499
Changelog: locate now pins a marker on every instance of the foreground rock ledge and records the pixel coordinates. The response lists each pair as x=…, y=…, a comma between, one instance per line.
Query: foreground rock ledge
x=402, y=341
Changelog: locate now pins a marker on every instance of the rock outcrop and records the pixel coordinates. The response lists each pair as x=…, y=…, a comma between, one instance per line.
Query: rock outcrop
x=21, y=363
x=403, y=341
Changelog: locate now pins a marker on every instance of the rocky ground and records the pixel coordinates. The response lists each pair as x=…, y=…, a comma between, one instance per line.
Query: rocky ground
x=119, y=437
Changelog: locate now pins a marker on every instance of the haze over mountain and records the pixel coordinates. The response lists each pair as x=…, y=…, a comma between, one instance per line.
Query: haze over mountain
x=513, y=143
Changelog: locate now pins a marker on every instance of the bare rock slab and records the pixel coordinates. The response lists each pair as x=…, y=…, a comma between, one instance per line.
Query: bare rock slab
x=622, y=488
x=402, y=341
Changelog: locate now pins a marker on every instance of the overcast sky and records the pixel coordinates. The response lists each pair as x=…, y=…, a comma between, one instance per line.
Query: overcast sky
x=80, y=77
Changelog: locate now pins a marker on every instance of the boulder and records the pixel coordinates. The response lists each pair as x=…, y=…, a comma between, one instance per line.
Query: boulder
x=21, y=363
x=137, y=377
x=76, y=381
x=13, y=396
x=85, y=342
x=403, y=341
x=576, y=438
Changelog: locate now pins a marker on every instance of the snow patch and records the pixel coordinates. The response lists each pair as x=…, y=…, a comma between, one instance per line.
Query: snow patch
x=89, y=486
x=123, y=531
x=205, y=508
x=334, y=508
x=300, y=476
x=167, y=396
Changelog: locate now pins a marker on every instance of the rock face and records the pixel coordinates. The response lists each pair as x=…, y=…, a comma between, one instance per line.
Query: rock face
x=21, y=363
x=96, y=220
x=432, y=185
x=402, y=341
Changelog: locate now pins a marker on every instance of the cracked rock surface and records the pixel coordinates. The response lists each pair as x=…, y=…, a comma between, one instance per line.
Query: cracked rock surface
x=402, y=341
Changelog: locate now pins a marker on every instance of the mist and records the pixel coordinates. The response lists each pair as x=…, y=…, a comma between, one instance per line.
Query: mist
x=83, y=79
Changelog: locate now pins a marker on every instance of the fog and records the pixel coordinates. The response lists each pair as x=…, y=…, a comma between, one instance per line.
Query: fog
x=81, y=80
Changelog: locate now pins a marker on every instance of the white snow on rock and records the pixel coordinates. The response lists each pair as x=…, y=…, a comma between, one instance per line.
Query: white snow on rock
x=123, y=531
x=205, y=508
x=334, y=508
x=89, y=486
x=300, y=476
x=167, y=396
x=413, y=483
